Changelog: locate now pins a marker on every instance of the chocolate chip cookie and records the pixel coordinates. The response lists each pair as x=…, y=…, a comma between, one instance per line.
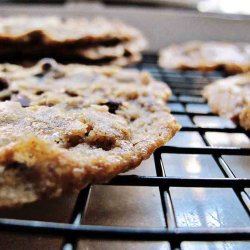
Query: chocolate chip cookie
x=230, y=97
x=206, y=56
x=49, y=83
x=96, y=41
x=67, y=126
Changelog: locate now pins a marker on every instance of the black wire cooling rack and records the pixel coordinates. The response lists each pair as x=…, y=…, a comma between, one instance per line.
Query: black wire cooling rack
x=186, y=88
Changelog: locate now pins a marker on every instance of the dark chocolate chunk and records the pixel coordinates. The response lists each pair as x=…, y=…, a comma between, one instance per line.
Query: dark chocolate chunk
x=46, y=67
x=48, y=64
x=5, y=98
x=112, y=105
x=71, y=93
x=3, y=83
x=16, y=165
x=39, y=92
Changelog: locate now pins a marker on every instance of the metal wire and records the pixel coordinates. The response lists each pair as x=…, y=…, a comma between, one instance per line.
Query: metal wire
x=181, y=84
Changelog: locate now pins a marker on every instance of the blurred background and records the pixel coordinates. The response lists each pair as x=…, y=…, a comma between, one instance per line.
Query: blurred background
x=239, y=7
x=162, y=21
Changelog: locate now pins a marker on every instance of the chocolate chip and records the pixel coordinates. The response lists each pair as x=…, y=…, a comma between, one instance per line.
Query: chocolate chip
x=16, y=165
x=39, y=92
x=5, y=98
x=15, y=92
x=23, y=100
x=46, y=66
x=112, y=105
x=3, y=83
x=71, y=93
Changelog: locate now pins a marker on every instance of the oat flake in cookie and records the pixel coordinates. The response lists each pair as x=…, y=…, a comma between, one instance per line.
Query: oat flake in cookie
x=207, y=56
x=230, y=97
x=69, y=126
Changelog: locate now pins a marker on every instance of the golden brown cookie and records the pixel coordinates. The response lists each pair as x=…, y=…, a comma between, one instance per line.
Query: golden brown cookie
x=230, y=97
x=68, y=126
x=49, y=83
x=96, y=41
x=207, y=56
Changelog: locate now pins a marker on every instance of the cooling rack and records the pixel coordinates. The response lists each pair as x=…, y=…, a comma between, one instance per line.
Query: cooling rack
x=186, y=87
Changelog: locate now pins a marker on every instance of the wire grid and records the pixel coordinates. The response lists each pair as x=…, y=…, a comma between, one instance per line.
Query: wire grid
x=186, y=90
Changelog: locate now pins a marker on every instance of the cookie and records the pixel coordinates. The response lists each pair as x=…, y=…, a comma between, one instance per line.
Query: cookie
x=67, y=126
x=230, y=97
x=49, y=83
x=207, y=56
x=96, y=41
x=47, y=151
x=56, y=30
x=244, y=117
